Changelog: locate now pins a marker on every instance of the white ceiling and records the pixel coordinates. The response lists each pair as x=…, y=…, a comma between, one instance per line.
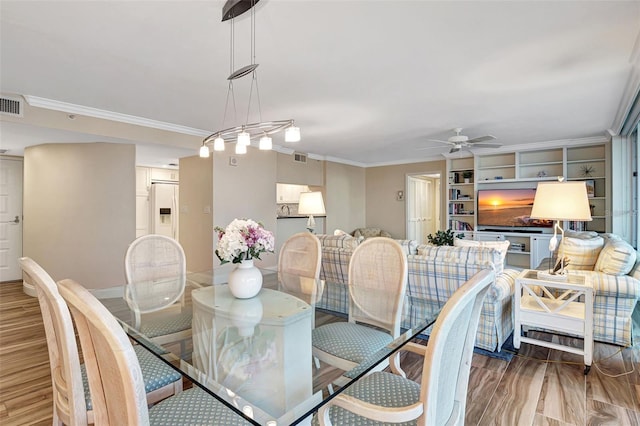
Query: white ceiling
x=367, y=81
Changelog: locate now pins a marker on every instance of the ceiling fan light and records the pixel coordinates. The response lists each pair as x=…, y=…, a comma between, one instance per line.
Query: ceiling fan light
x=266, y=143
x=204, y=151
x=241, y=149
x=292, y=134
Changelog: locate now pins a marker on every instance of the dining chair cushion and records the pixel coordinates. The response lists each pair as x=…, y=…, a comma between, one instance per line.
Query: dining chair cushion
x=193, y=407
x=166, y=325
x=353, y=342
x=156, y=374
x=378, y=388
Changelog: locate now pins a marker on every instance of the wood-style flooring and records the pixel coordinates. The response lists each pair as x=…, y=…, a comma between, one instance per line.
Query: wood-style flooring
x=538, y=387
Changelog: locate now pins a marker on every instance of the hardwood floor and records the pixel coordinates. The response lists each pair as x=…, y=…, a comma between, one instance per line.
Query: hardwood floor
x=538, y=387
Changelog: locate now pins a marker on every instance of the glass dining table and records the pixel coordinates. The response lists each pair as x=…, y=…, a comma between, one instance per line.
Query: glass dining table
x=253, y=355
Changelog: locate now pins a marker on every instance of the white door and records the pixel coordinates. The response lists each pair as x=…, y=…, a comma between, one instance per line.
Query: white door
x=10, y=219
x=423, y=206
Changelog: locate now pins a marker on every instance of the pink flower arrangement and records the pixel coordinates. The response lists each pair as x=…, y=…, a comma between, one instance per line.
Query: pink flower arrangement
x=243, y=239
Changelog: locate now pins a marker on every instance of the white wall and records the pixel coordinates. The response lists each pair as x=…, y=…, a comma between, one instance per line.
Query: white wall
x=79, y=210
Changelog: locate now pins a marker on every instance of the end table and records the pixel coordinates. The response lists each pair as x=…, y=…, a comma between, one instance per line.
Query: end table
x=562, y=306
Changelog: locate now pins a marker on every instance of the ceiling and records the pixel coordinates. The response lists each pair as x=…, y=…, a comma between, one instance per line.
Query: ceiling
x=368, y=82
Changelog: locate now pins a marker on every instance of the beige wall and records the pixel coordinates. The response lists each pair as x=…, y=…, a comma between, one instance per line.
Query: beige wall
x=382, y=185
x=196, y=218
x=245, y=191
x=79, y=210
x=344, y=197
x=309, y=173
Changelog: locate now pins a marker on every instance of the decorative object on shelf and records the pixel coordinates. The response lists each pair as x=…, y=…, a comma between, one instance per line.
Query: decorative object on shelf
x=541, y=174
x=591, y=187
x=587, y=170
x=467, y=175
x=244, y=133
x=311, y=203
x=240, y=242
x=561, y=201
x=443, y=238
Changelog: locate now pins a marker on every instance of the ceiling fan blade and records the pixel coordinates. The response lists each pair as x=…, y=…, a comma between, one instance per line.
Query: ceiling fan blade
x=481, y=139
x=486, y=145
x=455, y=148
x=438, y=140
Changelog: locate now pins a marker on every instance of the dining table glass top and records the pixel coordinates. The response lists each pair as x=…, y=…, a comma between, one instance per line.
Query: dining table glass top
x=254, y=355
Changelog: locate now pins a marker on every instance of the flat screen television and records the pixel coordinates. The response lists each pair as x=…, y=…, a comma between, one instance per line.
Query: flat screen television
x=508, y=209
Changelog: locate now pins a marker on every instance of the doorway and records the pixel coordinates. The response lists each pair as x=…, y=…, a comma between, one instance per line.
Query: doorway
x=423, y=205
x=10, y=218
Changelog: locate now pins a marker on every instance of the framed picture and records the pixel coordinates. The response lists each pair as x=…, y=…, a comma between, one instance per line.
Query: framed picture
x=591, y=187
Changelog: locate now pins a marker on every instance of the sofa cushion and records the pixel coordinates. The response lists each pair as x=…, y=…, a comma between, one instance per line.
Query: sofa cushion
x=616, y=258
x=581, y=252
x=501, y=246
x=339, y=241
x=408, y=246
x=370, y=232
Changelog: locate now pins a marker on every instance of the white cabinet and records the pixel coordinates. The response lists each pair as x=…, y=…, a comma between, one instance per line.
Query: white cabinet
x=525, y=250
x=165, y=175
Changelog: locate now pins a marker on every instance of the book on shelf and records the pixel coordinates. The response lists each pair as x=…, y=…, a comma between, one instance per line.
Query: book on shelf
x=460, y=225
x=576, y=225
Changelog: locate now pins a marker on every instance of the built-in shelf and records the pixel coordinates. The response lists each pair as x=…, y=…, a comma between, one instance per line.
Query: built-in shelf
x=524, y=169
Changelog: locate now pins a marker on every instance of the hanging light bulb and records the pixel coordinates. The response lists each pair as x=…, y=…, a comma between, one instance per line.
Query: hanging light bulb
x=218, y=144
x=244, y=138
x=266, y=143
x=241, y=149
x=292, y=134
x=204, y=151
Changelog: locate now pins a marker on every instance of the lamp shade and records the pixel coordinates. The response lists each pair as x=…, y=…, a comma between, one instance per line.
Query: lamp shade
x=311, y=203
x=561, y=201
x=204, y=151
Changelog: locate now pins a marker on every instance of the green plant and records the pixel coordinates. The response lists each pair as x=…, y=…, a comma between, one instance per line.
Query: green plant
x=467, y=174
x=443, y=238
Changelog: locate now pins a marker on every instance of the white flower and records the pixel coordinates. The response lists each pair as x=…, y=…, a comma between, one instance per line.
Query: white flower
x=243, y=239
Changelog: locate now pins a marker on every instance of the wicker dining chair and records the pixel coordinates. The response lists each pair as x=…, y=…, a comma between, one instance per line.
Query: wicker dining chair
x=115, y=377
x=440, y=398
x=72, y=402
x=155, y=267
x=299, y=267
x=377, y=284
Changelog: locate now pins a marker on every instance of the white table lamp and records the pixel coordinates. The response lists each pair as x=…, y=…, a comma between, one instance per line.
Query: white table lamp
x=561, y=201
x=311, y=203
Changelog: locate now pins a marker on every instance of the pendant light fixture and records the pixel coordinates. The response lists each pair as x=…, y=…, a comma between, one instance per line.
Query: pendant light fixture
x=244, y=133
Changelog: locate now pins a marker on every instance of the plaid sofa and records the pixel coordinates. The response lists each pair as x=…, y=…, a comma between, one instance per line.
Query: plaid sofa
x=434, y=274
x=616, y=294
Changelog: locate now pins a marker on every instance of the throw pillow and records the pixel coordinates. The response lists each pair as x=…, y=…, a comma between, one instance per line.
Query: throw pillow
x=339, y=232
x=616, y=258
x=501, y=246
x=582, y=253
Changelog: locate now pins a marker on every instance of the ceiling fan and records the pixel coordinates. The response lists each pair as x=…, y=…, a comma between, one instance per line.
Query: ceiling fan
x=459, y=141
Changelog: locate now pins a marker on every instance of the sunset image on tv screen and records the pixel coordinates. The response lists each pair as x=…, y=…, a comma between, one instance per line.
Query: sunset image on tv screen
x=510, y=207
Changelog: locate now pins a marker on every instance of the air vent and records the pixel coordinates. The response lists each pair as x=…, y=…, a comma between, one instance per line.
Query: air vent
x=11, y=106
x=299, y=158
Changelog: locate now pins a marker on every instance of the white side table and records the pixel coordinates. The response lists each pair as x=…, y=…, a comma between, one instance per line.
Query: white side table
x=557, y=306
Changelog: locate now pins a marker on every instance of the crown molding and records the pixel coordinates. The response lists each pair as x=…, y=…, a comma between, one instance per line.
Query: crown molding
x=70, y=108
x=631, y=90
